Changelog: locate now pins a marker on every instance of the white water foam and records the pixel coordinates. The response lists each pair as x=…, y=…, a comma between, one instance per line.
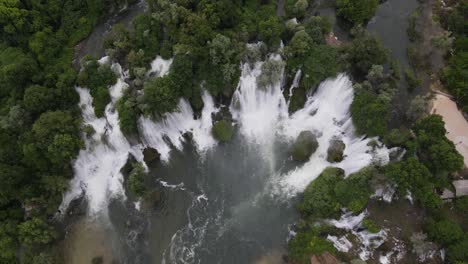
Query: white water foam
x=171, y=129
x=97, y=169
x=263, y=117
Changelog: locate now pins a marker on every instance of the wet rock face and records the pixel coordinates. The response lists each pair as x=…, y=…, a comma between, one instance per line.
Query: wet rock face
x=335, y=151
x=150, y=155
x=306, y=144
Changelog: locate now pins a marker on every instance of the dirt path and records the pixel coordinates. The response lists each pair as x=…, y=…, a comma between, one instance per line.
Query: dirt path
x=455, y=123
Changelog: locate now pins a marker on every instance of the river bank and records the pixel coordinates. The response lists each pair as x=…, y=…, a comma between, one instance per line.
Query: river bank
x=455, y=123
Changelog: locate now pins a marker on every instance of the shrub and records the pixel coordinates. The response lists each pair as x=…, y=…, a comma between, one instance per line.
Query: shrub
x=445, y=232
x=136, y=180
x=357, y=11
x=159, y=96
x=305, y=244
x=369, y=114
x=370, y=225
x=319, y=196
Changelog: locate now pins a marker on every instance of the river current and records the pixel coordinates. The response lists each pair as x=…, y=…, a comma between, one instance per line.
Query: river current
x=217, y=203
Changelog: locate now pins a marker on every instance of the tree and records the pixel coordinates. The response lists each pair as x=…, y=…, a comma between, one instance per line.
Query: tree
x=319, y=196
x=159, y=96
x=445, y=232
x=418, y=107
x=63, y=148
x=270, y=31
x=357, y=11
x=38, y=99
x=369, y=114
x=364, y=52
x=135, y=181
x=35, y=232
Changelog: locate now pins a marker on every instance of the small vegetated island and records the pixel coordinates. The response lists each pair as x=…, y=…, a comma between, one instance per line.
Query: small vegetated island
x=57, y=107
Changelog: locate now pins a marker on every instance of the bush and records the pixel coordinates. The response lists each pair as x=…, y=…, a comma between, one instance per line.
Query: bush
x=305, y=244
x=136, y=180
x=319, y=196
x=364, y=52
x=445, y=232
x=369, y=114
x=223, y=130
x=370, y=225
x=36, y=232
x=128, y=114
x=159, y=96
x=411, y=79
x=357, y=11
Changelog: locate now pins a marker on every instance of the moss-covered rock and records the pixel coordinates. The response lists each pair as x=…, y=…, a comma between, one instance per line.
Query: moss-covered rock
x=150, y=155
x=223, y=130
x=335, y=150
x=306, y=144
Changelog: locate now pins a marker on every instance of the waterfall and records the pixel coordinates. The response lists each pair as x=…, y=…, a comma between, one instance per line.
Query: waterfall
x=263, y=117
x=171, y=129
x=97, y=168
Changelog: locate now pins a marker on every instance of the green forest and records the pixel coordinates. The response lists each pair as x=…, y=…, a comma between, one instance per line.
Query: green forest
x=41, y=126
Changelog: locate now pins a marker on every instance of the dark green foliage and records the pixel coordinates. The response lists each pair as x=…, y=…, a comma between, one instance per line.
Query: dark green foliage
x=160, y=96
x=370, y=225
x=457, y=252
x=304, y=146
x=326, y=195
x=397, y=137
x=97, y=78
x=223, y=130
x=353, y=192
x=35, y=232
x=308, y=243
x=462, y=205
x=128, y=114
x=319, y=196
x=39, y=117
x=445, y=231
x=455, y=76
x=370, y=115
x=365, y=51
x=435, y=150
x=38, y=99
x=412, y=80
x=136, y=180
x=97, y=260
x=411, y=175
x=357, y=11
x=270, y=31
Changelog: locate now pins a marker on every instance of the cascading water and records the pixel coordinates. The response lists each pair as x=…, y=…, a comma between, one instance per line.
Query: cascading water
x=97, y=168
x=263, y=117
x=230, y=186
x=176, y=124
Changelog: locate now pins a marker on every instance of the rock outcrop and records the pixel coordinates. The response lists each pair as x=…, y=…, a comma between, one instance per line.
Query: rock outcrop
x=306, y=144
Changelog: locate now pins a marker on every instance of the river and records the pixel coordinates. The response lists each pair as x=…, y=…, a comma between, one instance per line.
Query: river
x=211, y=202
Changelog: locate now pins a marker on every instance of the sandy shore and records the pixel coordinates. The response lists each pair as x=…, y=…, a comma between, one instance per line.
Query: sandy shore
x=455, y=123
x=87, y=240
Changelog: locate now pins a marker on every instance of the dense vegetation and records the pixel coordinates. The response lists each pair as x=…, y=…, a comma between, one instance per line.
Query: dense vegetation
x=455, y=75
x=39, y=120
